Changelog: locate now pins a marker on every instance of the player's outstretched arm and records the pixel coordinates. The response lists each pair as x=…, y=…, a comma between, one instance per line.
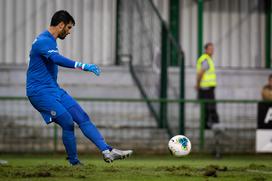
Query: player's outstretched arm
x=88, y=67
x=66, y=62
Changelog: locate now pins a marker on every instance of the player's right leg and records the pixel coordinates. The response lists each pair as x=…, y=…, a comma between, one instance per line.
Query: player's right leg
x=90, y=130
x=115, y=154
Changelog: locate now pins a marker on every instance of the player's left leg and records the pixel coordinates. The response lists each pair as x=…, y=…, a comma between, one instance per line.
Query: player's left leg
x=52, y=110
x=65, y=121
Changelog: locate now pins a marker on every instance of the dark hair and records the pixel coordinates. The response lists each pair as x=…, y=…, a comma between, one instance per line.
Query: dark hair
x=208, y=44
x=61, y=16
x=270, y=77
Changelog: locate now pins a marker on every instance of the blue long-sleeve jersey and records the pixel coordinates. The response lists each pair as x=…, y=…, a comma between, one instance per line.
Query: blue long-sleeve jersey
x=44, y=59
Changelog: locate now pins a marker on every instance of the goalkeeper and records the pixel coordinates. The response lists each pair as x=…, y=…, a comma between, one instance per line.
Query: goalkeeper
x=54, y=103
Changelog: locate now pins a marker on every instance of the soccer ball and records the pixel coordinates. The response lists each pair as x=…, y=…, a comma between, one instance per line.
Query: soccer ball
x=179, y=145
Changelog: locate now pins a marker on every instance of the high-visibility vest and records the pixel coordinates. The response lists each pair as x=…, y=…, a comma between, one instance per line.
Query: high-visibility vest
x=209, y=77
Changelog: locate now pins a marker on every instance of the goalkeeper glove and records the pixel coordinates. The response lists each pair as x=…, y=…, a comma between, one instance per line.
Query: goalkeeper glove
x=88, y=67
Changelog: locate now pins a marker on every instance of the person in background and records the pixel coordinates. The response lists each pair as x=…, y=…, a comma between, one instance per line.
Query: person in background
x=267, y=90
x=206, y=84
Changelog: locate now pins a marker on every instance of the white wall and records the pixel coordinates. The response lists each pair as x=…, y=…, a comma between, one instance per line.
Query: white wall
x=92, y=39
x=236, y=27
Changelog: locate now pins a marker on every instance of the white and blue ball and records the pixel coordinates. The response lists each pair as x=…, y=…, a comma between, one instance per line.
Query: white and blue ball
x=179, y=145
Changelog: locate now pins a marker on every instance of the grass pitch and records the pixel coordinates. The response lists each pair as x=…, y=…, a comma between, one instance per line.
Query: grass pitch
x=137, y=168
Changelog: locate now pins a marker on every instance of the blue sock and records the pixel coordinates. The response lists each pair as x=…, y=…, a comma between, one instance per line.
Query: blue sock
x=68, y=137
x=69, y=142
x=92, y=133
x=88, y=128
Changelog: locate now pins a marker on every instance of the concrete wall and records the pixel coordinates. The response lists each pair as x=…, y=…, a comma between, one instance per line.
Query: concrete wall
x=117, y=82
x=232, y=83
x=113, y=82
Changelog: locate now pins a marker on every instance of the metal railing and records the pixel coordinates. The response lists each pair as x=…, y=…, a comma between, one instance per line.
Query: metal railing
x=145, y=39
x=128, y=123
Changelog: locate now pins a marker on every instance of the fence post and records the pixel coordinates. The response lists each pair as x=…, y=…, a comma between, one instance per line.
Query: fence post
x=174, y=29
x=202, y=125
x=55, y=138
x=118, y=3
x=163, y=78
x=200, y=26
x=181, y=96
x=268, y=12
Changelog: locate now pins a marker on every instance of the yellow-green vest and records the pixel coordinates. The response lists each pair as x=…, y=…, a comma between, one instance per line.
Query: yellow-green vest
x=209, y=77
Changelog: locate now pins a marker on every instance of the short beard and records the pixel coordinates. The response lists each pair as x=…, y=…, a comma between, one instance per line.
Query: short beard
x=62, y=35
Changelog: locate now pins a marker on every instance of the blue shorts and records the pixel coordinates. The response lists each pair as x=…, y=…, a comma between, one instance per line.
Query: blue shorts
x=52, y=105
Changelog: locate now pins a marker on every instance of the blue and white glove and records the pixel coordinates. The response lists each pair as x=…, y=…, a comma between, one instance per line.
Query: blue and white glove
x=88, y=67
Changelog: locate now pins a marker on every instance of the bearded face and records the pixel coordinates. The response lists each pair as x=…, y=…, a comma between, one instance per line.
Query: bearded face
x=66, y=30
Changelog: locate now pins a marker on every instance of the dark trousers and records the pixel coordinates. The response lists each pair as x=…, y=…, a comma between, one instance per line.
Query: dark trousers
x=210, y=111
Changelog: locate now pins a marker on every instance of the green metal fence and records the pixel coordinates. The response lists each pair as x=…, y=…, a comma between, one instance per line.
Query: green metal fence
x=127, y=123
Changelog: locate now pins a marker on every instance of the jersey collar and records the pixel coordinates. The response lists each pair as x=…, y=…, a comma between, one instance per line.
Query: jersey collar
x=50, y=35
